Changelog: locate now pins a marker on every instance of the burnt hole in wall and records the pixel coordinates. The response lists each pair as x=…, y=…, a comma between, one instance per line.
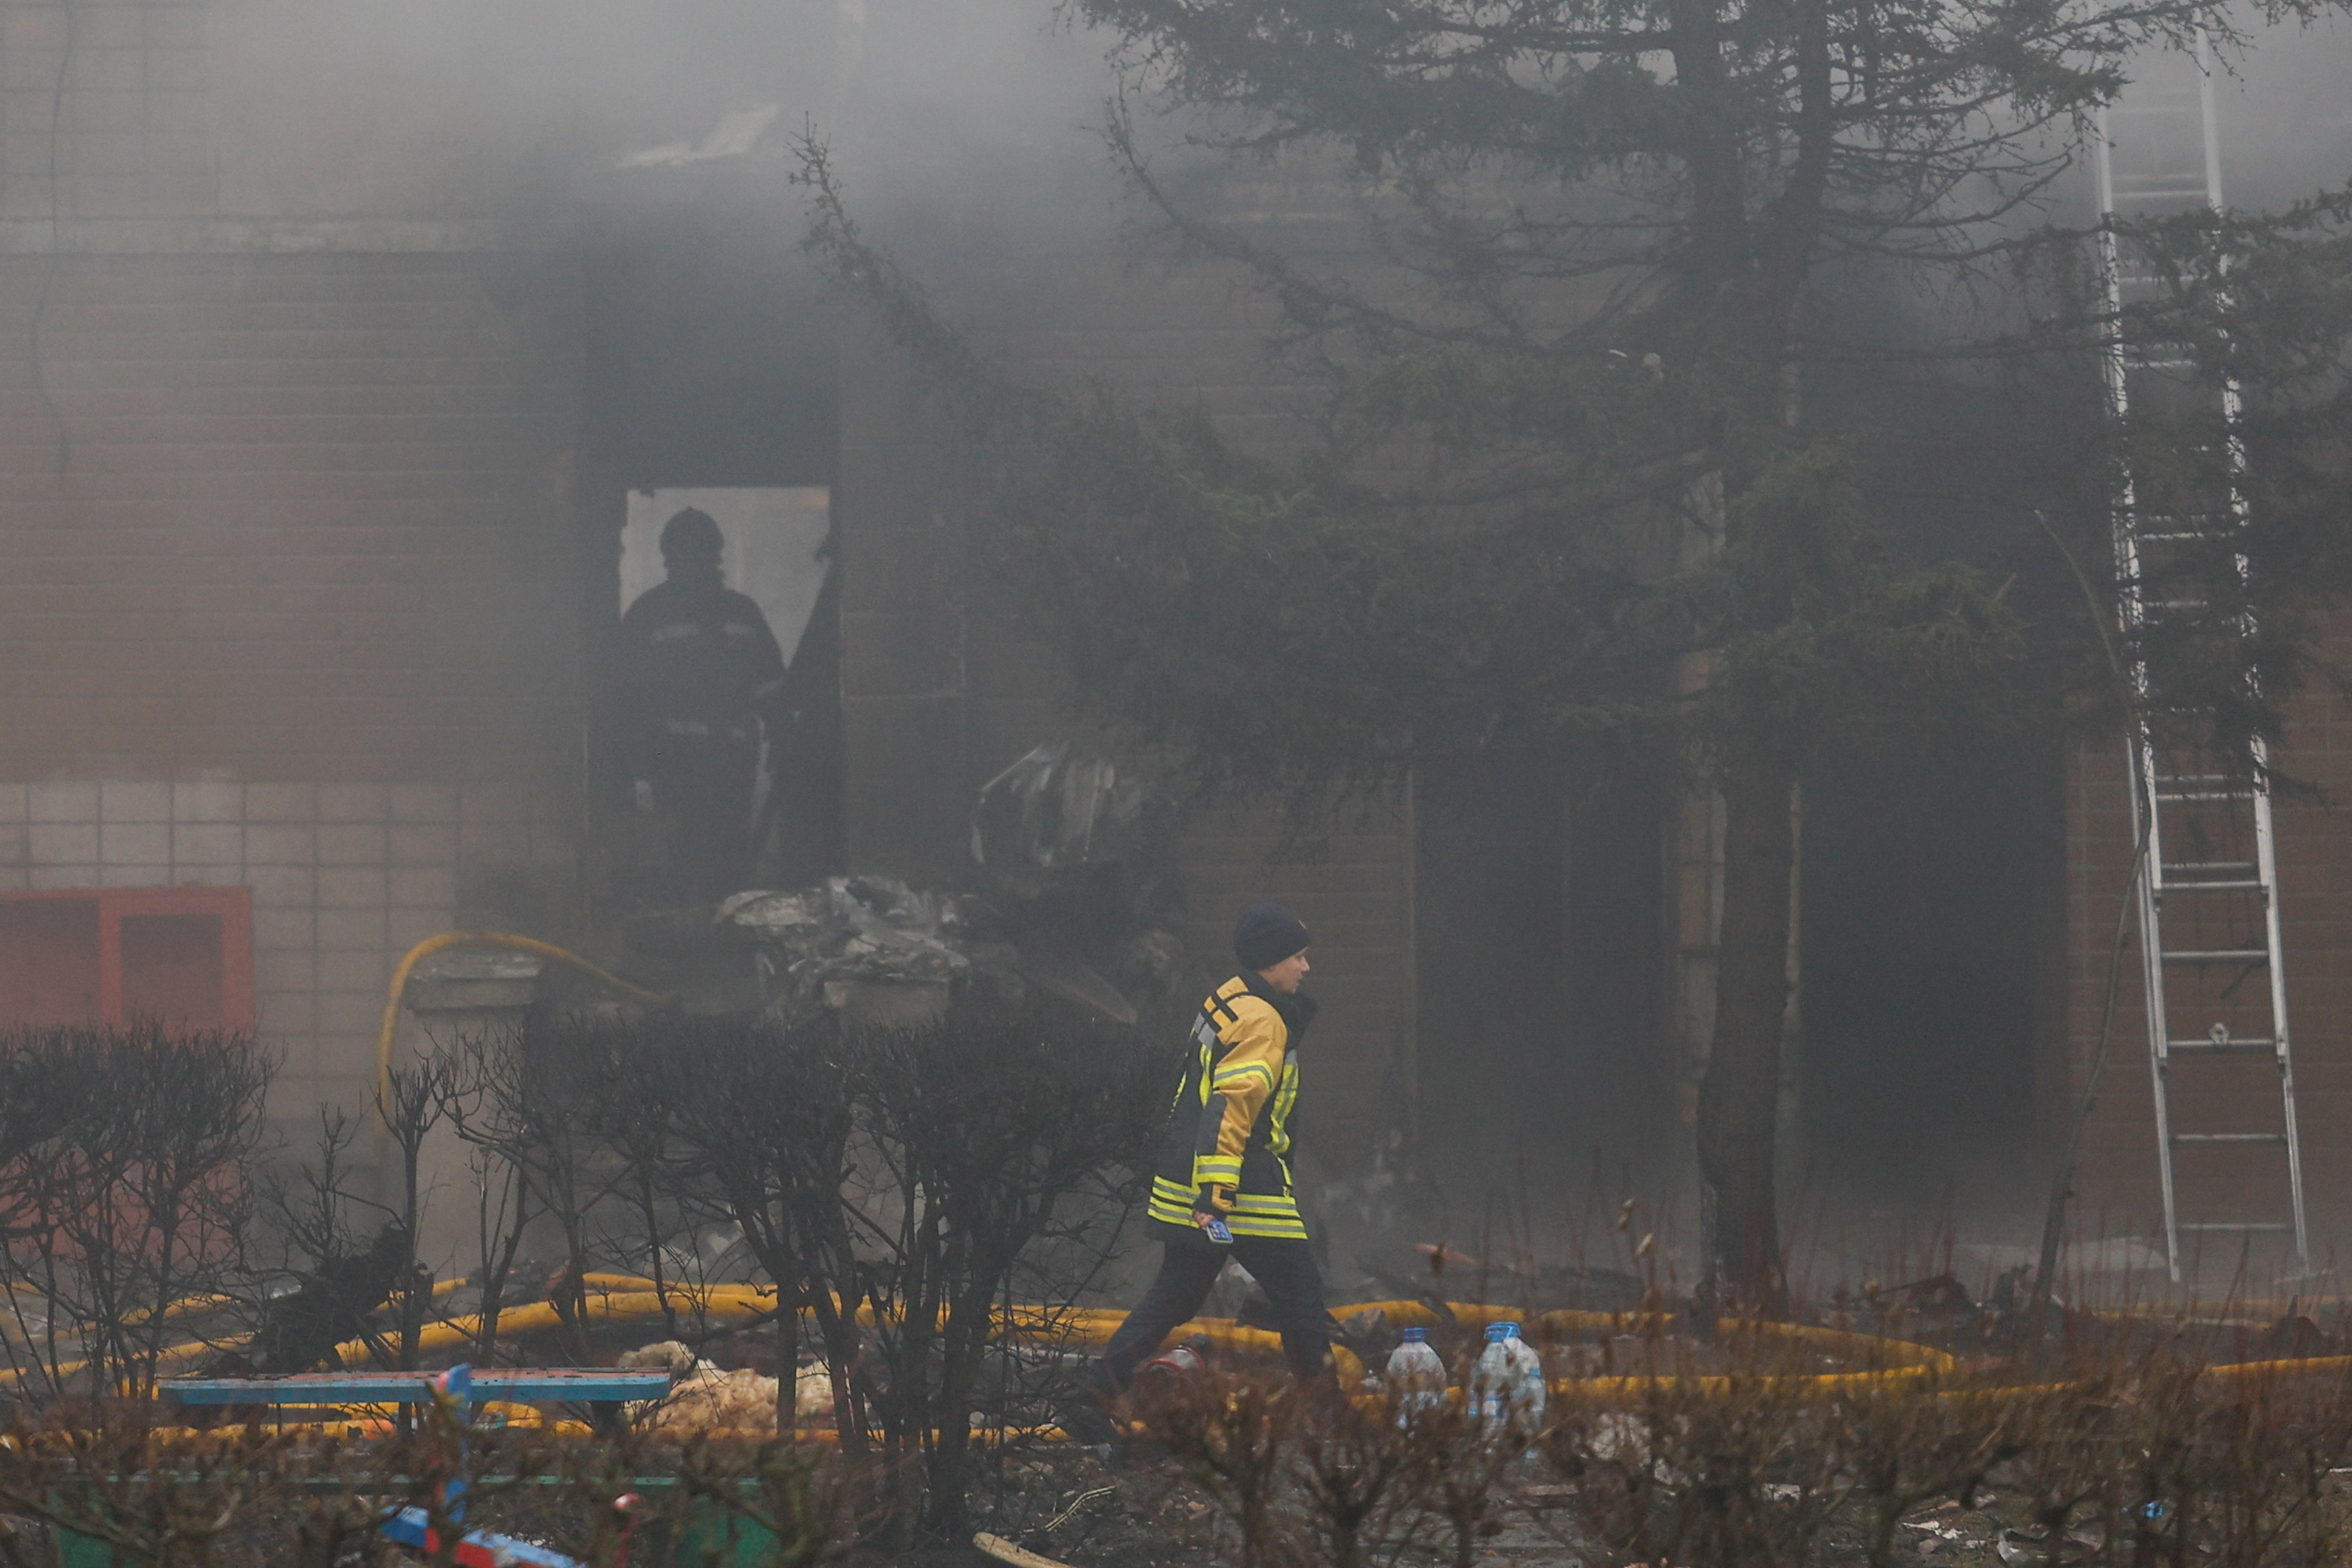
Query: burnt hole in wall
x=712, y=388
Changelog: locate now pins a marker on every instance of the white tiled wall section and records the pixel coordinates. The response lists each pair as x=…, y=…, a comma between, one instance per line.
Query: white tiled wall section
x=345, y=877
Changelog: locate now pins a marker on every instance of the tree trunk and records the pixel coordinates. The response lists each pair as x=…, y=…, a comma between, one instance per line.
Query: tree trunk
x=1739, y=1097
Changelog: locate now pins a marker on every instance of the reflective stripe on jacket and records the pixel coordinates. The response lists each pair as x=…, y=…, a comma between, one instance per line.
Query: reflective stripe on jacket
x=1230, y=1125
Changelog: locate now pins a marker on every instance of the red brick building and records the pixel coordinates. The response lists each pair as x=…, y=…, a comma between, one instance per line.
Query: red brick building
x=333, y=341
x=334, y=344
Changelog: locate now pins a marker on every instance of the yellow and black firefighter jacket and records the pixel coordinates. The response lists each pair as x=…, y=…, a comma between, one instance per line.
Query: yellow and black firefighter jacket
x=1231, y=1124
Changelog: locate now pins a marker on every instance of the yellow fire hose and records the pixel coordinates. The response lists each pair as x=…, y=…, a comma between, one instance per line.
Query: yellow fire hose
x=512, y=943
x=625, y=1297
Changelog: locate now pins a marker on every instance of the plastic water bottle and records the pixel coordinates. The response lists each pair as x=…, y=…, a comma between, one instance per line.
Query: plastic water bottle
x=1527, y=1390
x=1416, y=1375
x=1507, y=1386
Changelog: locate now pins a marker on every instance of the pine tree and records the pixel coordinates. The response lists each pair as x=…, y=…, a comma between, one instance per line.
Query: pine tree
x=1594, y=297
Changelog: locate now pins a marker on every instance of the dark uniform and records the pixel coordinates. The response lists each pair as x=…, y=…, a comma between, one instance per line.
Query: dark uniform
x=701, y=665
x=1231, y=1128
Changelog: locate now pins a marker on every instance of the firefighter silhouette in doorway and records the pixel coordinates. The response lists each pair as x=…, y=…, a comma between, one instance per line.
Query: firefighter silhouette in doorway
x=702, y=679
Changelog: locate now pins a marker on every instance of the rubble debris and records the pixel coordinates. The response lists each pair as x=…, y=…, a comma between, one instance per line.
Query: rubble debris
x=677, y=1357
x=1077, y=853
x=812, y=1391
x=1058, y=813
x=1942, y=1295
x=1074, y=895
x=867, y=928
x=2294, y=1337
x=705, y=1396
x=300, y=1329
x=1005, y=1552
x=739, y=1400
x=813, y=945
x=1619, y=1437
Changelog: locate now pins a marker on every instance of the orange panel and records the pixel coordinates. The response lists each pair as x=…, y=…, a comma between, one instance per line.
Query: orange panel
x=184, y=956
x=171, y=969
x=48, y=962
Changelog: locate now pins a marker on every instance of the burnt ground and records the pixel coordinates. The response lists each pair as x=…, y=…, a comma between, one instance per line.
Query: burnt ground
x=1154, y=1516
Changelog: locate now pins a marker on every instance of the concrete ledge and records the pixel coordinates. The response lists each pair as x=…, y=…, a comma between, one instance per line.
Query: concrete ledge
x=473, y=981
x=245, y=236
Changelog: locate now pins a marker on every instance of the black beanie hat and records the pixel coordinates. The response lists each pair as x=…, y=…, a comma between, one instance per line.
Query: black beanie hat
x=1267, y=934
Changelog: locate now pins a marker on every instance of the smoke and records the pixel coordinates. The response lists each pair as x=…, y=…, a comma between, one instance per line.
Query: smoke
x=981, y=116
x=967, y=131
x=2285, y=114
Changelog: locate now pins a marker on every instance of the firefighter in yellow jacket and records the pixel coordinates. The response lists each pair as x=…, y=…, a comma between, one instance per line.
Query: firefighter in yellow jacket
x=1221, y=1187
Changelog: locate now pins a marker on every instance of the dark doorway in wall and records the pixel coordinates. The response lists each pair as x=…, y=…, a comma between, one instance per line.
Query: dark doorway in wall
x=712, y=384
x=1927, y=926
x=1535, y=918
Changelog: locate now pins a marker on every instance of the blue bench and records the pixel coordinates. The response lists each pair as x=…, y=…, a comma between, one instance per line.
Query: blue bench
x=461, y=1386
x=581, y=1384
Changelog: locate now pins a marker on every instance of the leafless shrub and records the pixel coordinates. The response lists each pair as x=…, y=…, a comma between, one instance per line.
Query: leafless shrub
x=1235, y=1436
x=890, y=1183
x=335, y=1268
x=2155, y=1457
x=1739, y=1468
x=633, y=1111
x=1903, y=1450
x=408, y=1104
x=122, y=1192
x=525, y=1123
x=980, y=1128
x=761, y=1115
x=2133, y=1454
x=269, y=1502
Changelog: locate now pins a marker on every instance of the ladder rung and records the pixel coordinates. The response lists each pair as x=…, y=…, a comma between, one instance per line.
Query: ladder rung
x=2229, y=1138
x=2203, y=1046
x=2219, y=955
x=2251, y=884
x=2209, y=865
x=2198, y=794
x=2238, y=1224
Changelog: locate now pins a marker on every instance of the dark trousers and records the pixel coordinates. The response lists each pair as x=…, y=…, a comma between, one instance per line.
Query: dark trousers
x=1188, y=1270
x=703, y=791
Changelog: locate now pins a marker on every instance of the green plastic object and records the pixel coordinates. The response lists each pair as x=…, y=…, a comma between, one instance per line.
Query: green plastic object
x=713, y=1537
x=77, y=1551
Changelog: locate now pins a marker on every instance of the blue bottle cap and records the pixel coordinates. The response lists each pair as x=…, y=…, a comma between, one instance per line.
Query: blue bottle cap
x=1497, y=1332
x=1416, y=1336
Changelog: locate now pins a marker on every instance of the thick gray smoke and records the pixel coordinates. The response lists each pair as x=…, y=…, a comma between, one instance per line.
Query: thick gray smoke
x=984, y=116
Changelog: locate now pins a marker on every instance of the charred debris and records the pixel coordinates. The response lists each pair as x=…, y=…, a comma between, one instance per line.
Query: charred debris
x=1072, y=901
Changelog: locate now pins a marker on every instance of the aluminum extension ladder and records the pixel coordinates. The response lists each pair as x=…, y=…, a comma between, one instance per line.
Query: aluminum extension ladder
x=2208, y=894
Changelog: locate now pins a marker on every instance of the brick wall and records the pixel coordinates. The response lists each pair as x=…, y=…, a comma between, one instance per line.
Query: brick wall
x=345, y=877
x=289, y=598
x=105, y=109
x=301, y=516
